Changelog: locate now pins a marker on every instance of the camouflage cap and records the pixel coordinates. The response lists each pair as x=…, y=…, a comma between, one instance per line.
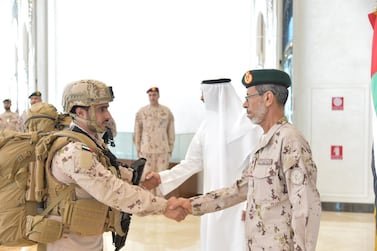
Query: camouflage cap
x=36, y=94
x=86, y=92
x=153, y=89
x=266, y=76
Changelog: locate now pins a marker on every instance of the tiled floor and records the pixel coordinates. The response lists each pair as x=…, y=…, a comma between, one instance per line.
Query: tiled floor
x=346, y=232
x=338, y=231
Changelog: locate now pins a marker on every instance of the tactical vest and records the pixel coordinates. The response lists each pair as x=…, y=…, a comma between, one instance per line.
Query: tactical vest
x=85, y=217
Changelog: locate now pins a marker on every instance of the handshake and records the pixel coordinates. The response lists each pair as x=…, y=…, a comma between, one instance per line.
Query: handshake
x=177, y=208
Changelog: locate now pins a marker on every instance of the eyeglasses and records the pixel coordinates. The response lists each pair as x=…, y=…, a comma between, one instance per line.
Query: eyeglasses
x=251, y=95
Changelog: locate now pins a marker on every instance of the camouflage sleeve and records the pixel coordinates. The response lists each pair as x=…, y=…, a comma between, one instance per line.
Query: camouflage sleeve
x=126, y=174
x=81, y=165
x=137, y=131
x=17, y=123
x=220, y=199
x=303, y=194
x=171, y=132
x=21, y=121
x=2, y=125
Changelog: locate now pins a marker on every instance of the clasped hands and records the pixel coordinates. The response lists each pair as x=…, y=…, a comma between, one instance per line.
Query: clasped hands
x=178, y=208
x=152, y=180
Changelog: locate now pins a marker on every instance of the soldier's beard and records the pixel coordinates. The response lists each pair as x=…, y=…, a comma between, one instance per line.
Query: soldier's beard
x=92, y=122
x=94, y=127
x=259, y=115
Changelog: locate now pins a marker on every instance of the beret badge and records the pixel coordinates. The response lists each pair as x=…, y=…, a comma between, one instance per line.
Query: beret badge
x=248, y=78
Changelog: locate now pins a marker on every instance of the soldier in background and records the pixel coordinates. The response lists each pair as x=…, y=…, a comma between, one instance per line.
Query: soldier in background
x=154, y=134
x=9, y=119
x=35, y=97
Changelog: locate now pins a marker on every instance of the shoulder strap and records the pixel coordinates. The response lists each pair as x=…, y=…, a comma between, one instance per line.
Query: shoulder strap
x=77, y=136
x=103, y=147
x=55, y=202
x=45, y=151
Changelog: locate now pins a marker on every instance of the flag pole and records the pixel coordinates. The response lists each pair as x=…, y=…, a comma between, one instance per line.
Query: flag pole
x=373, y=21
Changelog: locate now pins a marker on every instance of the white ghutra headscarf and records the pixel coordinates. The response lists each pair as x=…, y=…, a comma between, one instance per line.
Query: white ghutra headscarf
x=229, y=135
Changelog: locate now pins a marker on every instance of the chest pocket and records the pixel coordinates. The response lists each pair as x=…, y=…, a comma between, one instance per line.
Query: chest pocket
x=163, y=119
x=156, y=120
x=266, y=185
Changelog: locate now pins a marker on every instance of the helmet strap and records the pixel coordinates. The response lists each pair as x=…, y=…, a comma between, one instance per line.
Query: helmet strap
x=93, y=121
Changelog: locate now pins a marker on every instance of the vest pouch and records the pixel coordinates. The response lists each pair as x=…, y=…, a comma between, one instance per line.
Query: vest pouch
x=85, y=217
x=43, y=230
x=114, y=222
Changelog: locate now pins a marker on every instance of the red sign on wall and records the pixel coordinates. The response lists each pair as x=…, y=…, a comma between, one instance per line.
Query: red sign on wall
x=337, y=103
x=336, y=152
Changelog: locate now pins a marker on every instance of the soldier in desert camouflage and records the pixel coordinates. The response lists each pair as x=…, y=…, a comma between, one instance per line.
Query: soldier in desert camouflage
x=9, y=119
x=87, y=101
x=283, y=203
x=154, y=134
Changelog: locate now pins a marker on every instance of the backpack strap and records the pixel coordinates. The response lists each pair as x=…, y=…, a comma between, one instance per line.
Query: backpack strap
x=101, y=150
x=55, y=202
x=77, y=136
x=45, y=152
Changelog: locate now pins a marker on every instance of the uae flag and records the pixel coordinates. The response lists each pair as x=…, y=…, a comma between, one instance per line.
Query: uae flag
x=373, y=21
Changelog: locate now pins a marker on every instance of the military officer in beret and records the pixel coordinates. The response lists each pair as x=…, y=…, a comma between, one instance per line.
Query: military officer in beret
x=154, y=134
x=35, y=97
x=9, y=119
x=284, y=207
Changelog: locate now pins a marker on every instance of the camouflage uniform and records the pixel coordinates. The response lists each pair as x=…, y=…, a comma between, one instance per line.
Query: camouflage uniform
x=78, y=164
x=96, y=181
x=21, y=121
x=284, y=207
x=154, y=137
x=9, y=121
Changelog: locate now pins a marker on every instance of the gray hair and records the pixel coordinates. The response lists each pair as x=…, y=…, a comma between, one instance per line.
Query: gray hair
x=280, y=92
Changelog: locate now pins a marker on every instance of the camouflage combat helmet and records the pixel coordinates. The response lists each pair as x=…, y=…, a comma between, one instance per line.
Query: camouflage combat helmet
x=86, y=93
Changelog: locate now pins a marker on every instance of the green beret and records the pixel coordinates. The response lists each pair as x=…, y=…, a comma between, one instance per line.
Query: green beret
x=37, y=94
x=216, y=81
x=153, y=89
x=266, y=76
x=7, y=100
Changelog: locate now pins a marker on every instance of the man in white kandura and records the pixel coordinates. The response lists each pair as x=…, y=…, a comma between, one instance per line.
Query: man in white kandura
x=220, y=148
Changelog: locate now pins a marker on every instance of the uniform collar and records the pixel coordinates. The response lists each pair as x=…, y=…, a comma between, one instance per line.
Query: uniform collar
x=265, y=139
x=98, y=139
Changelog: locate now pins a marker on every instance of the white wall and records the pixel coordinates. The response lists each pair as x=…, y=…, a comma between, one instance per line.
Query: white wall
x=332, y=53
x=133, y=45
